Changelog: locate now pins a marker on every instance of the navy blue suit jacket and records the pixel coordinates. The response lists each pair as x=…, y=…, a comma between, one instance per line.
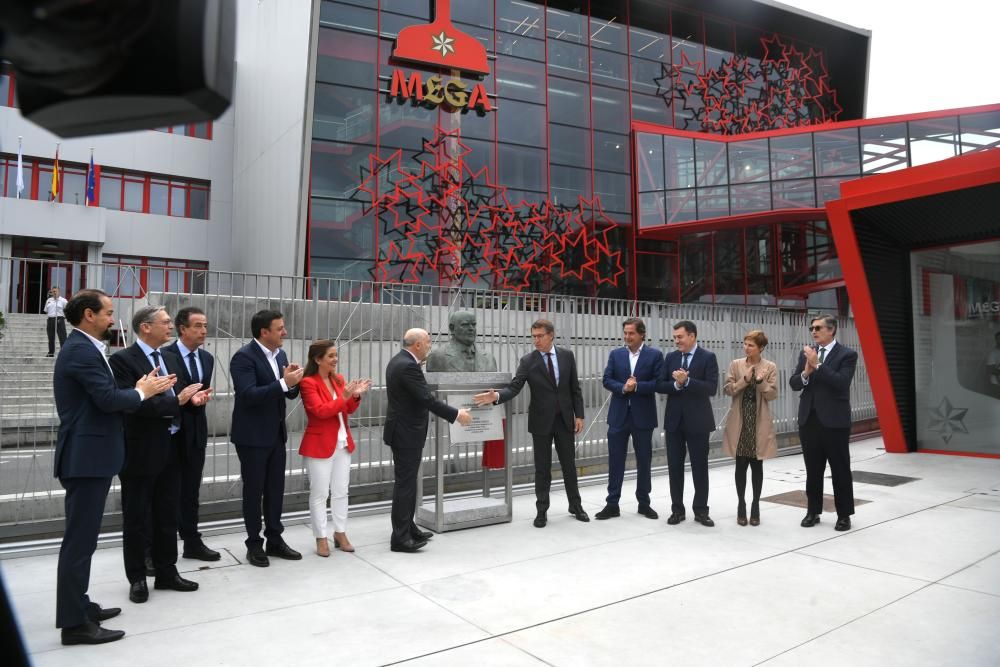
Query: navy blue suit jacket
x=690, y=408
x=641, y=403
x=194, y=422
x=829, y=388
x=410, y=401
x=545, y=396
x=91, y=442
x=259, y=407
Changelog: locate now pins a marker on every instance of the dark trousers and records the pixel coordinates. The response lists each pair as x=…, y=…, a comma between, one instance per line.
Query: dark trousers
x=406, y=466
x=263, y=472
x=84, y=506
x=819, y=445
x=679, y=445
x=642, y=443
x=192, y=465
x=155, y=497
x=566, y=451
x=53, y=326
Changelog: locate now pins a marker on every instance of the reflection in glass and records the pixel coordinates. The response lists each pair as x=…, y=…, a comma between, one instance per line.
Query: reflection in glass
x=651, y=209
x=611, y=152
x=791, y=156
x=837, y=152
x=568, y=102
x=793, y=194
x=569, y=184
x=749, y=198
x=607, y=105
x=710, y=162
x=883, y=148
x=980, y=131
x=713, y=202
x=522, y=123
x=569, y=60
x=933, y=140
x=678, y=153
x=519, y=79
x=748, y=161
x=609, y=68
x=649, y=159
x=681, y=206
x=696, y=268
x=569, y=145
x=520, y=18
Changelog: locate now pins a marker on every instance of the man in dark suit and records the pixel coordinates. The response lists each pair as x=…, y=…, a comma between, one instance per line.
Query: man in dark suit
x=195, y=367
x=689, y=378
x=555, y=413
x=823, y=374
x=262, y=380
x=631, y=376
x=409, y=403
x=90, y=450
x=151, y=476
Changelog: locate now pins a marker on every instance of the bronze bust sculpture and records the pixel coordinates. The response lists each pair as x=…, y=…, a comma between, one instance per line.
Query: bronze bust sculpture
x=460, y=354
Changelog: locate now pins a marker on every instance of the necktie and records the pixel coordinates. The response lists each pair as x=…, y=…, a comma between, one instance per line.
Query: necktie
x=156, y=361
x=193, y=368
x=552, y=369
x=684, y=362
x=822, y=354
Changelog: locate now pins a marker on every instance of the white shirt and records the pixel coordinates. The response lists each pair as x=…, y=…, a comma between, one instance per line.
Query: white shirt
x=102, y=348
x=148, y=351
x=272, y=359
x=54, y=306
x=633, y=358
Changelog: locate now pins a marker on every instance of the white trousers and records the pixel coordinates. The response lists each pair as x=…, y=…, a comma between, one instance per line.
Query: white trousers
x=331, y=477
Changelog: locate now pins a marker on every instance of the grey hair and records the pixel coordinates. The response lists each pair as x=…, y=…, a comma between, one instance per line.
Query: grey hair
x=145, y=315
x=413, y=336
x=828, y=320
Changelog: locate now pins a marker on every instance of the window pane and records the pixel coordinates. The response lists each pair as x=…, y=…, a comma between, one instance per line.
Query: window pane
x=651, y=209
x=793, y=194
x=337, y=168
x=11, y=189
x=649, y=44
x=749, y=198
x=566, y=26
x=713, y=202
x=158, y=197
x=404, y=125
x=837, y=153
x=522, y=167
x=522, y=47
x=610, y=69
x=569, y=145
x=569, y=60
x=933, y=140
x=679, y=162
x=613, y=189
x=791, y=156
x=568, y=102
x=569, y=184
x=343, y=114
x=748, y=161
x=651, y=108
x=201, y=130
x=155, y=280
x=519, y=18
x=980, y=130
x=696, y=268
x=710, y=162
x=111, y=190
x=520, y=79
x=730, y=282
x=199, y=203
x=657, y=277
x=73, y=186
x=177, y=201
x=607, y=33
x=608, y=105
x=883, y=148
x=611, y=152
x=681, y=206
x=522, y=123
x=649, y=161
x=647, y=76
x=133, y=195
x=340, y=229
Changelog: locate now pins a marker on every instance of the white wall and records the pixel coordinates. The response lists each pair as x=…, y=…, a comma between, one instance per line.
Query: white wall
x=272, y=84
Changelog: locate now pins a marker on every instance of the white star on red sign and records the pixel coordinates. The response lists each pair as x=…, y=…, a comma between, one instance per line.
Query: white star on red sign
x=443, y=43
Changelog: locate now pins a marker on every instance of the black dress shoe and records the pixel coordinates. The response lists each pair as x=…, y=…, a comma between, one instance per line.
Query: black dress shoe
x=540, y=520
x=282, y=550
x=97, y=614
x=256, y=557
x=704, y=520
x=150, y=568
x=138, y=592
x=579, y=514
x=409, y=546
x=201, y=552
x=649, y=513
x=90, y=633
x=609, y=512
x=676, y=518
x=421, y=535
x=843, y=523
x=175, y=583
x=809, y=520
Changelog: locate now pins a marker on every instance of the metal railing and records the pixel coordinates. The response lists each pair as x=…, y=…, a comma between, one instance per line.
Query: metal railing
x=367, y=319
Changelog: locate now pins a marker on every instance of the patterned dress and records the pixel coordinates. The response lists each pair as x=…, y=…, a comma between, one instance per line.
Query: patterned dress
x=747, y=445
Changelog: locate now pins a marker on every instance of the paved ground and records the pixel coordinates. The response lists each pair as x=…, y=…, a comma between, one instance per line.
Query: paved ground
x=916, y=582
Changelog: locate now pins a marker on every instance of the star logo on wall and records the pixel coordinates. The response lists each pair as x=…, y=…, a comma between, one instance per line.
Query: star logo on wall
x=948, y=420
x=443, y=43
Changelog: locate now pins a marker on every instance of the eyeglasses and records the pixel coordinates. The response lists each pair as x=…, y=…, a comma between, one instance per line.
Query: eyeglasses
x=817, y=328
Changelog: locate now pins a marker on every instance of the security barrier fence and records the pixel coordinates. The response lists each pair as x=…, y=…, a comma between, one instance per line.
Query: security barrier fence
x=367, y=320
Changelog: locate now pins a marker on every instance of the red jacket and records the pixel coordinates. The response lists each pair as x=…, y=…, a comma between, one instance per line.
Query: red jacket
x=322, y=409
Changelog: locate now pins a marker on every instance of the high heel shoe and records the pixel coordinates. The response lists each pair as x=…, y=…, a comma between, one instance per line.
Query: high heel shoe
x=755, y=514
x=341, y=542
x=322, y=547
x=741, y=513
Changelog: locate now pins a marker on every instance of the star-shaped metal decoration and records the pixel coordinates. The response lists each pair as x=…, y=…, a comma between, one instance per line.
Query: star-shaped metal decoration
x=443, y=43
x=947, y=420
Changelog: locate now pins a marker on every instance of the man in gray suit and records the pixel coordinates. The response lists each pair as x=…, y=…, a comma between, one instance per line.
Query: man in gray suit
x=554, y=414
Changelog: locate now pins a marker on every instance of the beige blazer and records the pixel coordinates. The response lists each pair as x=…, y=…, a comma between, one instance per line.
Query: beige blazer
x=767, y=391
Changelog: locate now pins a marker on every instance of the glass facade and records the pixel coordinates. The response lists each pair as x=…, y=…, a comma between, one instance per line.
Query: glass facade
x=552, y=186
x=956, y=347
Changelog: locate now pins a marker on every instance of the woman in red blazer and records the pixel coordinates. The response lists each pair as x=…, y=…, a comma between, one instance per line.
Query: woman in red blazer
x=327, y=443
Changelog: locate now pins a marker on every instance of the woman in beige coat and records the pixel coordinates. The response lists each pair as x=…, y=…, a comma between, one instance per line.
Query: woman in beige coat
x=752, y=381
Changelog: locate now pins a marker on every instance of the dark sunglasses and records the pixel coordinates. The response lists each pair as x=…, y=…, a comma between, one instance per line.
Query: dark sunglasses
x=817, y=328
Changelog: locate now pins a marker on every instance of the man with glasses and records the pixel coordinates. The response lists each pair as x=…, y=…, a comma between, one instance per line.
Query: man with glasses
x=823, y=374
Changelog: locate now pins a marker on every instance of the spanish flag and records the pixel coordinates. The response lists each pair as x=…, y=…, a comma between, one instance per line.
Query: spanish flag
x=55, y=177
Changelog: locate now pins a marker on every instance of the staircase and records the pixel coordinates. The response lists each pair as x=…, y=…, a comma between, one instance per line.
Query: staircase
x=27, y=405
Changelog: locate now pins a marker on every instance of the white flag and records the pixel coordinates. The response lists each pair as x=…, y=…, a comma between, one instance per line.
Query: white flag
x=20, y=171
